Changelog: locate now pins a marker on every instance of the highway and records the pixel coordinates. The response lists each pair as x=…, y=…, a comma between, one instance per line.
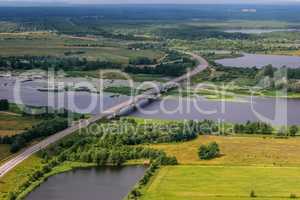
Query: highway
x=9, y=165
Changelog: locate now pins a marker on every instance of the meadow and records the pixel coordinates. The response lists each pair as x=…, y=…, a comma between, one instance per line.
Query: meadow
x=224, y=183
x=238, y=151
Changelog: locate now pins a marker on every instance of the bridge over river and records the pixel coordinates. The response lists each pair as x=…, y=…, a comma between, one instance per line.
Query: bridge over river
x=118, y=110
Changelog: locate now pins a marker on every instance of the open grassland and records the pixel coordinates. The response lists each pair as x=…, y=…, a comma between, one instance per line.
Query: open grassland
x=47, y=44
x=17, y=177
x=12, y=124
x=256, y=151
x=223, y=183
x=4, y=152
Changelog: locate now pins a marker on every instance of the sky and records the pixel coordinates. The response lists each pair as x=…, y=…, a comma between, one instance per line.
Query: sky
x=151, y=1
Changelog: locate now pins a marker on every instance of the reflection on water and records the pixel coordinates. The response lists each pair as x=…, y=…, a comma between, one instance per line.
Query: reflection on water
x=89, y=184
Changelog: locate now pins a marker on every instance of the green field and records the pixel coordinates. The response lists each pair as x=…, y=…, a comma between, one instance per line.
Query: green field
x=18, y=176
x=48, y=44
x=223, y=183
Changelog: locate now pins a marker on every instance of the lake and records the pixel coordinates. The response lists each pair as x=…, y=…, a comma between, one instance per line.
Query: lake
x=89, y=184
x=259, y=60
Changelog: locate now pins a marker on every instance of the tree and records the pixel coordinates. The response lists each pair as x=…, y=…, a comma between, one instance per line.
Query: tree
x=282, y=131
x=116, y=158
x=101, y=157
x=4, y=105
x=209, y=152
x=293, y=130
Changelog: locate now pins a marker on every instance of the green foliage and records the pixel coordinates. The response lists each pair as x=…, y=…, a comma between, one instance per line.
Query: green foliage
x=208, y=152
x=4, y=105
x=293, y=130
x=59, y=63
x=168, y=69
x=252, y=194
x=253, y=128
x=141, y=61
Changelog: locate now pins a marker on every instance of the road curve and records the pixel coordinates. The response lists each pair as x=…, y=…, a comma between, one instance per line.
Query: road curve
x=9, y=165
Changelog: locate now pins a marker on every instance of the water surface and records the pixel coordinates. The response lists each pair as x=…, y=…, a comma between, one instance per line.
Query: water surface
x=89, y=184
x=259, y=61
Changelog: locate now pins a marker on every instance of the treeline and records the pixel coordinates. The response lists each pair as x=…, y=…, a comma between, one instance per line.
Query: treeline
x=41, y=130
x=253, y=128
x=142, y=61
x=199, y=33
x=129, y=132
x=173, y=69
x=41, y=62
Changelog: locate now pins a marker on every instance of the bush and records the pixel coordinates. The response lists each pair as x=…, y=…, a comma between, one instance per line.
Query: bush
x=209, y=152
x=4, y=105
x=293, y=130
x=252, y=194
x=293, y=196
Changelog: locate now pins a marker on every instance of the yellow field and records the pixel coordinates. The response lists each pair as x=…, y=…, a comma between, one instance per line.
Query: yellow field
x=239, y=151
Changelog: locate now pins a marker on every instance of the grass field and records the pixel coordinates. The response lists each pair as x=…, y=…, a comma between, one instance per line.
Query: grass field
x=18, y=176
x=4, y=151
x=47, y=44
x=255, y=151
x=223, y=183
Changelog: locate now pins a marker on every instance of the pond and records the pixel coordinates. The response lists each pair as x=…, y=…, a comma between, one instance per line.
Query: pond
x=259, y=61
x=89, y=184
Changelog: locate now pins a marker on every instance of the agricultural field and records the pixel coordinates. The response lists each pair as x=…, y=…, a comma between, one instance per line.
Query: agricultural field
x=224, y=183
x=51, y=44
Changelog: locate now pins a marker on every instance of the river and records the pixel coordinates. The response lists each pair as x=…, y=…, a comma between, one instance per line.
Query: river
x=89, y=184
x=271, y=110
